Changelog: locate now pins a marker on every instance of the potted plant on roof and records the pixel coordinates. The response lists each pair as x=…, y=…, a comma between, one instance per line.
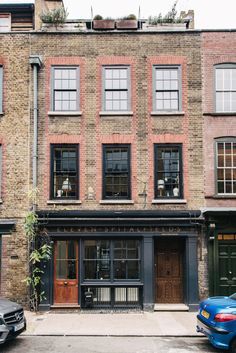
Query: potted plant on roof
x=103, y=24
x=55, y=17
x=128, y=22
x=169, y=20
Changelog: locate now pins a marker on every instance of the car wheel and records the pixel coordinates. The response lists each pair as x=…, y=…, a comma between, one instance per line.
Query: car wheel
x=233, y=346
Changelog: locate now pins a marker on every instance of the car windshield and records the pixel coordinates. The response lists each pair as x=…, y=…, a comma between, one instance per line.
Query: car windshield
x=233, y=296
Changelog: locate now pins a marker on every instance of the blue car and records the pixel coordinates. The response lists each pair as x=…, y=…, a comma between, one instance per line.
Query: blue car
x=217, y=320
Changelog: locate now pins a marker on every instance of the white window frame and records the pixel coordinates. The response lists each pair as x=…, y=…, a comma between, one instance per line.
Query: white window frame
x=166, y=91
x=77, y=89
x=224, y=90
x=225, y=169
x=104, y=89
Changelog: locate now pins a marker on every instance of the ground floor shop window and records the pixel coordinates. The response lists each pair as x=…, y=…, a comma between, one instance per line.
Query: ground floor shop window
x=112, y=259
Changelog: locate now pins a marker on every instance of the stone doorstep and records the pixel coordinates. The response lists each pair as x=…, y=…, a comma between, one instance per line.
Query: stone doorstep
x=171, y=307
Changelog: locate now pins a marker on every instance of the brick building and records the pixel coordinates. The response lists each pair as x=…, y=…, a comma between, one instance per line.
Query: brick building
x=219, y=106
x=118, y=152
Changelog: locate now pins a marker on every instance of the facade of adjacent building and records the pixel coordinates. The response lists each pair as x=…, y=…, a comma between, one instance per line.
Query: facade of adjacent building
x=111, y=128
x=219, y=113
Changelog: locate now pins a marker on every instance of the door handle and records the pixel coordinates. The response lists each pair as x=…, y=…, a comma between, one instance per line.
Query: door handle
x=65, y=283
x=230, y=272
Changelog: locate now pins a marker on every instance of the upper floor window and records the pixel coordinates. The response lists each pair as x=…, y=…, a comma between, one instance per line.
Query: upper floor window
x=168, y=171
x=64, y=172
x=116, y=172
x=225, y=85
x=167, y=88
x=116, y=88
x=1, y=88
x=5, y=22
x=65, y=88
x=226, y=166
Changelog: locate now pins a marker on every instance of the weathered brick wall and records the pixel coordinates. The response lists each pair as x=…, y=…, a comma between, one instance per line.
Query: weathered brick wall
x=141, y=129
x=14, y=138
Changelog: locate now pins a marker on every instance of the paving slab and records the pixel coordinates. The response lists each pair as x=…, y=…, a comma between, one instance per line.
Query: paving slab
x=112, y=324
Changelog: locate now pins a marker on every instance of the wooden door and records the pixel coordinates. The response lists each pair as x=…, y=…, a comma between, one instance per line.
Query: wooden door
x=169, y=270
x=227, y=269
x=66, y=272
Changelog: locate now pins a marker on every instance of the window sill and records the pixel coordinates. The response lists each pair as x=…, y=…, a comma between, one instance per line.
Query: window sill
x=66, y=113
x=0, y=201
x=116, y=202
x=118, y=113
x=166, y=113
x=64, y=202
x=115, y=283
x=220, y=114
x=1, y=113
x=220, y=197
x=172, y=201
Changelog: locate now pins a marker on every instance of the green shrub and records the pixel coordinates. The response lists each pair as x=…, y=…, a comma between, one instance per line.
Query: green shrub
x=57, y=16
x=98, y=17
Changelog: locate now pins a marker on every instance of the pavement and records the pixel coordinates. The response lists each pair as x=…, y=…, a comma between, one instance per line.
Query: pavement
x=128, y=324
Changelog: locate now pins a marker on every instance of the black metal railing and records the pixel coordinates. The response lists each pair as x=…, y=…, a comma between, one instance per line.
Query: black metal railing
x=95, y=297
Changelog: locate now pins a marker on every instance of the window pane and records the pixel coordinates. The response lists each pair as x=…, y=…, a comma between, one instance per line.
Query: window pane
x=219, y=102
x=226, y=101
x=227, y=79
x=123, y=105
x=166, y=74
x=71, y=270
x=159, y=85
x=108, y=73
x=120, y=269
x=133, y=270
x=233, y=79
x=108, y=84
x=159, y=74
x=123, y=73
x=61, y=269
x=220, y=187
x=219, y=79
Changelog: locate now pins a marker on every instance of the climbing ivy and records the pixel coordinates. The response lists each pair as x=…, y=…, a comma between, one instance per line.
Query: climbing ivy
x=39, y=252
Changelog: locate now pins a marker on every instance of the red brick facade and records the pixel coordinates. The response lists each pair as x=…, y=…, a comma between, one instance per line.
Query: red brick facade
x=217, y=48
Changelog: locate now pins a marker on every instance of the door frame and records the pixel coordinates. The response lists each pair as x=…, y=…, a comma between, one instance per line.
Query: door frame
x=167, y=238
x=217, y=242
x=53, y=274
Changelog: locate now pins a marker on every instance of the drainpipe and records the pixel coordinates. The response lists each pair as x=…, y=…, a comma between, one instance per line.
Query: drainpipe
x=36, y=63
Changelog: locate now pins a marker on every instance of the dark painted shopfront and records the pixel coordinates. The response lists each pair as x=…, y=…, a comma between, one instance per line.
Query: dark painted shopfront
x=123, y=259
x=221, y=225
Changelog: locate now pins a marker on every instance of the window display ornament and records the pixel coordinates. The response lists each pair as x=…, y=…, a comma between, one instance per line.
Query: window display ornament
x=66, y=186
x=160, y=186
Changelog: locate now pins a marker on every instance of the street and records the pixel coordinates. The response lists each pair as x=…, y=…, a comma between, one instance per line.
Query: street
x=70, y=344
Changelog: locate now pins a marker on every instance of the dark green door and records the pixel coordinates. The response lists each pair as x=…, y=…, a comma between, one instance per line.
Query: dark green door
x=227, y=268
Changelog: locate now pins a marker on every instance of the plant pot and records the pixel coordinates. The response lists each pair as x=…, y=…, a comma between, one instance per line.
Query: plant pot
x=127, y=24
x=103, y=24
